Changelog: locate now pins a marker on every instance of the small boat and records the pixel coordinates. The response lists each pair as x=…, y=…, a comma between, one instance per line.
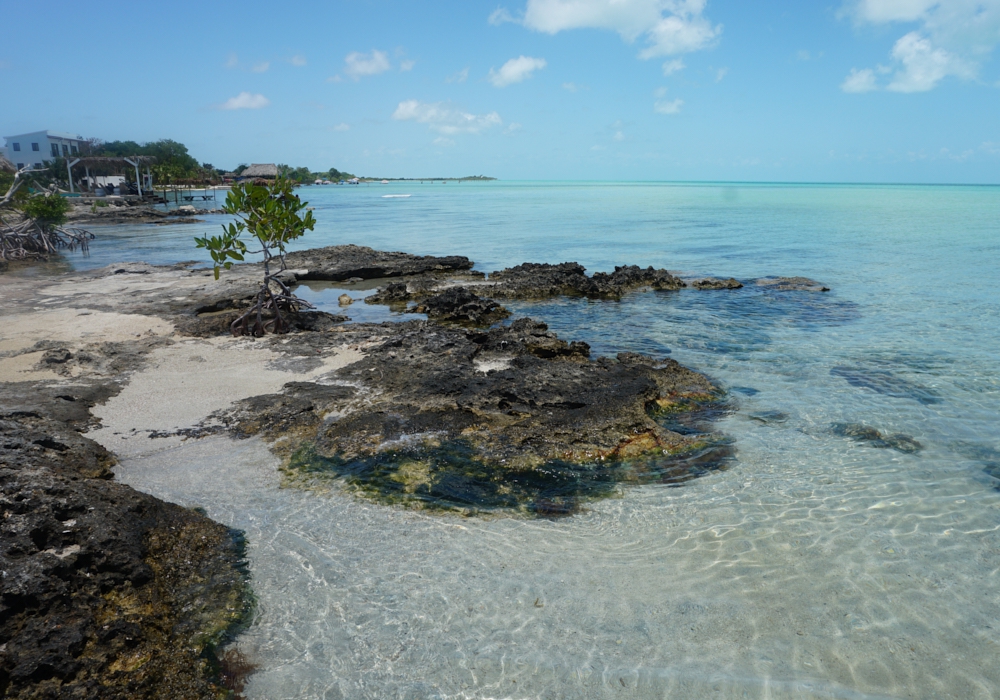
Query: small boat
x=385, y=182
x=395, y=196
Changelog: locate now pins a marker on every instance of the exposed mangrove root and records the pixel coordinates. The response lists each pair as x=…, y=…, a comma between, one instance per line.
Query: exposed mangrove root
x=268, y=300
x=28, y=240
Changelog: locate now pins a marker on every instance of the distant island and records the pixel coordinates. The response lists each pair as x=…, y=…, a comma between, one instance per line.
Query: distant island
x=419, y=179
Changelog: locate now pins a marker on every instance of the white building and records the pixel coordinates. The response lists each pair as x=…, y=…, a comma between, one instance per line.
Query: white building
x=40, y=146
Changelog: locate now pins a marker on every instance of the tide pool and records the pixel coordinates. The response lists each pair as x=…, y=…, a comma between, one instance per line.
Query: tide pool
x=815, y=565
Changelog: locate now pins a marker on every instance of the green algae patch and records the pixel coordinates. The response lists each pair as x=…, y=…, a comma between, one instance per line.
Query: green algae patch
x=453, y=477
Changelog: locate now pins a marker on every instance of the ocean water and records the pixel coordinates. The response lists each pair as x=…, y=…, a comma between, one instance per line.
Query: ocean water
x=814, y=566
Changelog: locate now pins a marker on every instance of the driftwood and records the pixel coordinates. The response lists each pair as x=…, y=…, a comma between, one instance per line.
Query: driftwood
x=29, y=239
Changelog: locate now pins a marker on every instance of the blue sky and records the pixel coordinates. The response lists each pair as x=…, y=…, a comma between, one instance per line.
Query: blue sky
x=853, y=90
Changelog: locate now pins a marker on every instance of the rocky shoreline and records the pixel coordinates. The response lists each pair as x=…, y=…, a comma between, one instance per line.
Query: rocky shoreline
x=457, y=413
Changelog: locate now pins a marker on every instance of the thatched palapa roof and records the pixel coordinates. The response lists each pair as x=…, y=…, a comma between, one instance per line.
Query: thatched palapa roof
x=260, y=170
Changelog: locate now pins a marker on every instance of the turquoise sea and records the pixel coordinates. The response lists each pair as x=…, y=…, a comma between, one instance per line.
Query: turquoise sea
x=813, y=566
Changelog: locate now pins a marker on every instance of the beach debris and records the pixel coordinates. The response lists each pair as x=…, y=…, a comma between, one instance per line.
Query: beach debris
x=345, y=300
x=875, y=438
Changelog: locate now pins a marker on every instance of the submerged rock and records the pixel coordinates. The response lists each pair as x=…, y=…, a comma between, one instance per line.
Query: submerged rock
x=460, y=305
x=875, y=438
x=884, y=382
x=342, y=262
x=513, y=418
x=716, y=283
x=107, y=592
x=542, y=280
x=792, y=284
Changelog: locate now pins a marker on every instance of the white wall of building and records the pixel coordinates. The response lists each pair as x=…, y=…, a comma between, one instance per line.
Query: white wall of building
x=38, y=147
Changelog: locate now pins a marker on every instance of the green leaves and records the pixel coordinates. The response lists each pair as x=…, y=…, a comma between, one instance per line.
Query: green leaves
x=270, y=213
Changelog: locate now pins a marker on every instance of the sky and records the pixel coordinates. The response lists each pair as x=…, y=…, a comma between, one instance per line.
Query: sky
x=789, y=91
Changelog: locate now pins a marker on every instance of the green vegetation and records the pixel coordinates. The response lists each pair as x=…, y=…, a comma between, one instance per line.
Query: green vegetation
x=48, y=211
x=271, y=214
x=305, y=176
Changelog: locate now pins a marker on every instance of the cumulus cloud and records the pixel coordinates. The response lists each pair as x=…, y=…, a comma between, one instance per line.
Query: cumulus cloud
x=923, y=65
x=720, y=74
x=444, y=119
x=668, y=106
x=358, y=65
x=443, y=141
x=669, y=27
x=953, y=38
x=246, y=100
x=515, y=70
x=859, y=81
x=261, y=67
x=407, y=65
x=342, y=127
x=459, y=77
x=298, y=60
x=232, y=61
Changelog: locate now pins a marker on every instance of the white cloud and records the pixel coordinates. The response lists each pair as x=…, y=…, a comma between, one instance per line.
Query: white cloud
x=358, y=64
x=511, y=128
x=953, y=38
x=443, y=141
x=342, y=127
x=570, y=87
x=923, y=65
x=720, y=74
x=668, y=106
x=443, y=119
x=298, y=60
x=859, y=81
x=515, y=70
x=459, y=77
x=619, y=136
x=671, y=67
x=246, y=100
x=407, y=65
x=232, y=61
x=669, y=26
x=261, y=67
x=500, y=16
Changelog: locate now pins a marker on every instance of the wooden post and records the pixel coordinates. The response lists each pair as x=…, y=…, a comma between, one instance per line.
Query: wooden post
x=69, y=172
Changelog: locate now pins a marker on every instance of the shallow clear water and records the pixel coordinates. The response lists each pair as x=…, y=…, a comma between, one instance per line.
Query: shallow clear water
x=815, y=566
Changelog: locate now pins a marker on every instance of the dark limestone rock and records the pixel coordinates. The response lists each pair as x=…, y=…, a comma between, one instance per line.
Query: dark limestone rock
x=715, y=283
x=460, y=305
x=342, y=262
x=875, y=438
x=392, y=293
x=513, y=418
x=542, y=280
x=107, y=592
x=792, y=284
